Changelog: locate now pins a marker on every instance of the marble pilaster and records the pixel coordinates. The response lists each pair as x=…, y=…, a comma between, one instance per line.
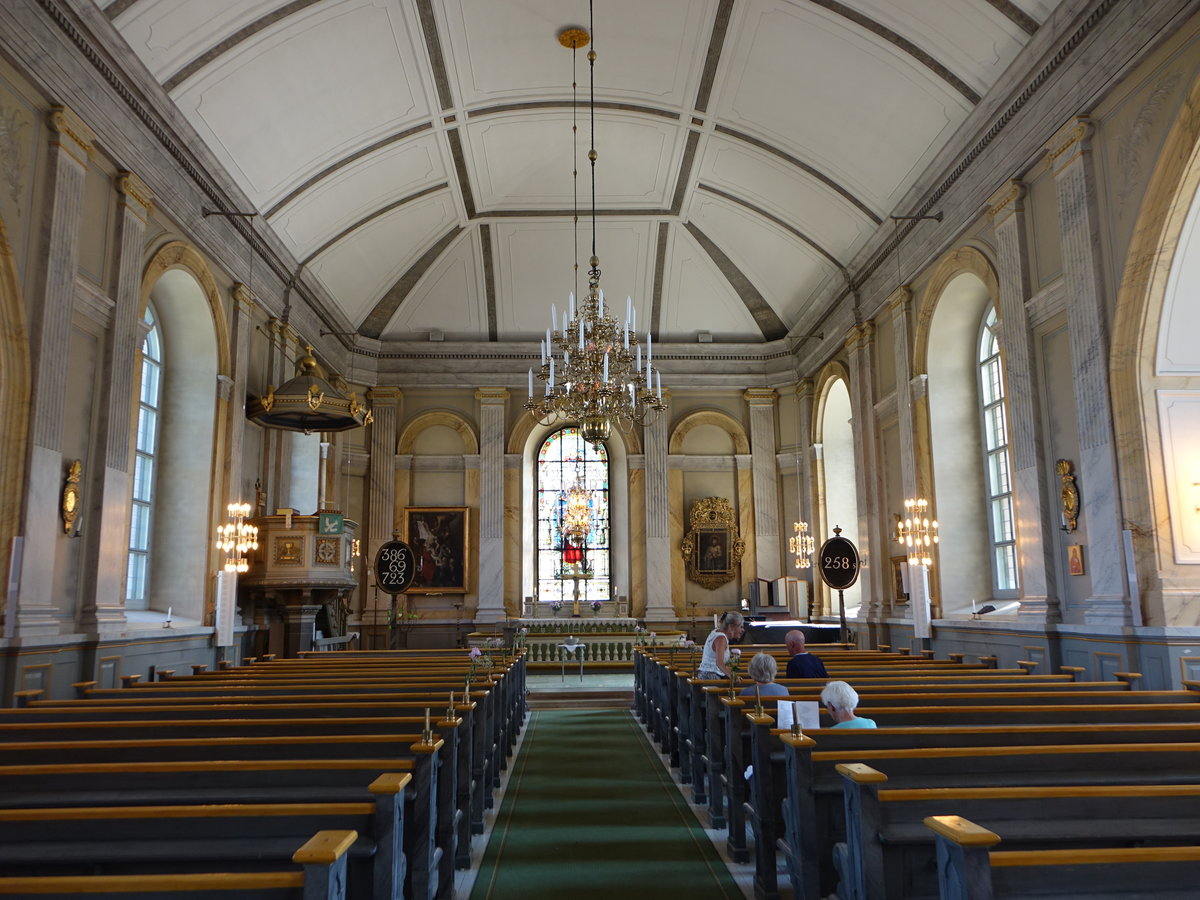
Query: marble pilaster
x=382, y=512
x=659, y=606
x=637, y=534
x=767, y=552
x=492, y=406
x=103, y=601
x=1100, y=516
x=513, y=590
x=1035, y=559
x=900, y=305
x=860, y=347
x=52, y=295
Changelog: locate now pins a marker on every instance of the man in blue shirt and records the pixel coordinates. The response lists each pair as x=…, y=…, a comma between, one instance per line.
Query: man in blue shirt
x=802, y=664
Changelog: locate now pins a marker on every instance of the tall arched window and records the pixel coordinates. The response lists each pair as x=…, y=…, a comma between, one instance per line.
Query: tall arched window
x=565, y=461
x=143, y=466
x=996, y=461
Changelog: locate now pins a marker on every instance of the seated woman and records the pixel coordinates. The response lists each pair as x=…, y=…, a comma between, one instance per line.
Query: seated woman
x=841, y=700
x=714, y=661
x=762, y=670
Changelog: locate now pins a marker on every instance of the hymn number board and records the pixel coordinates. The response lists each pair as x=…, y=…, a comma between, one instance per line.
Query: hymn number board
x=838, y=562
x=395, y=567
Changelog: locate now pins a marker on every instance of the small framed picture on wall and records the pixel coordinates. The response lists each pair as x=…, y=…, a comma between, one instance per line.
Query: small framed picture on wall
x=1075, y=559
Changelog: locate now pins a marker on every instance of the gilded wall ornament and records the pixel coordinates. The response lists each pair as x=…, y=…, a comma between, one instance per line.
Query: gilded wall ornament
x=70, y=497
x=712, y=548
x=1068, y=495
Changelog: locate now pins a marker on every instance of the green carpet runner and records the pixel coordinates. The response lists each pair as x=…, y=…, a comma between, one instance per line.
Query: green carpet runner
x=590, y=811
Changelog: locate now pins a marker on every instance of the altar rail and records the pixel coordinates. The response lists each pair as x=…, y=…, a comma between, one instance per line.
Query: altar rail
x=601, y=647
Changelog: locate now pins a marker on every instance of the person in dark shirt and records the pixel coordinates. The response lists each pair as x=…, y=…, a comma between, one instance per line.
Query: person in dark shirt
x=802, y=664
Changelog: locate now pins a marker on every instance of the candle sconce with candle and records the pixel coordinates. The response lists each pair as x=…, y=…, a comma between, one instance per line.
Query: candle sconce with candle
x=1068, y=494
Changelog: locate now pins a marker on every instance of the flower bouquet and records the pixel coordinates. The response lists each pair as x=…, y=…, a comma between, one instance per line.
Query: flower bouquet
x=556, y=607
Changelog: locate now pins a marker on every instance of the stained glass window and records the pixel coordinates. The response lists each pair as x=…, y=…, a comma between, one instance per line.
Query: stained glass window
x=565, y=461
x=995, y=448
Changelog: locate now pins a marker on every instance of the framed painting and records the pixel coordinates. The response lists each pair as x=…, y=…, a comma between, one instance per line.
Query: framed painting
x=900, y=579
x=712, y=549
x=440, y=540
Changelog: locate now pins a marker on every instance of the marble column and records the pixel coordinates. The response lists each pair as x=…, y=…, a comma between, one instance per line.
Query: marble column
x=659, y=606
x=493, y=403
x=900, y=305
x=805, y=454
x=103, y=601
x=1035, y=551
x=768, y=553
x=868, y=473
x=1100, y=513
x=235, y=413
x=381, y=512
x=51, y=303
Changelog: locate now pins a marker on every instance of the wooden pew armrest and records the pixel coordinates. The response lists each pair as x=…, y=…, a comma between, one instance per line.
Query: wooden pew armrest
x=325, y=847
x=962, y=831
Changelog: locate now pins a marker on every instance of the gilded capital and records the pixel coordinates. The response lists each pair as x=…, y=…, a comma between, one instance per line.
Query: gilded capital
x=136, y=194
x=242, y=298
x=385, y=394
x=80, y=140
x=1069, y=143
x=900, y=300
x=804, y=388
x=1006, y=201
x=760, y=396
x=491, y=395
x=860, y=336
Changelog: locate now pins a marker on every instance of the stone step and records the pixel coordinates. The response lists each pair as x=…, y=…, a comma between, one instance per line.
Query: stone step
x=580, y=699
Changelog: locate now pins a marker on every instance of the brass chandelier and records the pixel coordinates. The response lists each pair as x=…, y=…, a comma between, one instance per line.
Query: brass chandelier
x=593, y=368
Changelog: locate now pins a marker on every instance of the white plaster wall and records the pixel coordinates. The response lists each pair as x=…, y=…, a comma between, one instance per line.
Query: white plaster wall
x=841, y=499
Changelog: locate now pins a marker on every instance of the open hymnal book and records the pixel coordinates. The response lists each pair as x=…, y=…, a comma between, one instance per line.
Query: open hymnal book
x=808, y=712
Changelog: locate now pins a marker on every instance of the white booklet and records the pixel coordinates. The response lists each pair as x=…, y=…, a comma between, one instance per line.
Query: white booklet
x=808, y=712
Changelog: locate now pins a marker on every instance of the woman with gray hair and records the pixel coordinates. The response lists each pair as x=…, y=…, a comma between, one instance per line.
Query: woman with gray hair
x=762, y=669
x=841, y=700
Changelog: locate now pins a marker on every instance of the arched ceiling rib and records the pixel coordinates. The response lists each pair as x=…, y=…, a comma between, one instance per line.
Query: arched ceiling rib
x=409, y=149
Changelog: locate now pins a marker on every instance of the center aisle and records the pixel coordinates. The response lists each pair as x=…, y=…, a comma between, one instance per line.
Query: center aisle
x=590, y=811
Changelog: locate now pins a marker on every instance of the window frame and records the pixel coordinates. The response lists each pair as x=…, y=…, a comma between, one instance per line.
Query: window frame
x=139, y=548
x=995, y=445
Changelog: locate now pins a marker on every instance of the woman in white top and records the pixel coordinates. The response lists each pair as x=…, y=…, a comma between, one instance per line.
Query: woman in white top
x=714, y=663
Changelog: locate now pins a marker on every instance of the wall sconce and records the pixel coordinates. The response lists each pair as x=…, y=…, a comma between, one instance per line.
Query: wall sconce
x=917, y=532
x=237, y=537
x=355, y=553
x=802, y=545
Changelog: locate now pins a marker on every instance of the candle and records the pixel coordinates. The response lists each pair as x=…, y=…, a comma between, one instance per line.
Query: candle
x=427, y=719
x=571, y=304
x=606, y=368
x=628, y=308
x=649, y=350
x=554, y=317
x=552, y=371
x=169, y=613
x=531, y=384
x=549, y=344
x=633, y=324
x=600, y=308
x=658, y=382
x=639, y=359
x=973, y=605
x=542, y=344
x=626, y=334
x=796, y=717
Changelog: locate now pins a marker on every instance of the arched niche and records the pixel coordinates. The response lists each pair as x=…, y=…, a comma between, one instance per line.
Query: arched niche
x=195, y=352
x=709, y=418
x=1155, y=380
x=14, y=398
x=468, y=443
x=965, y=260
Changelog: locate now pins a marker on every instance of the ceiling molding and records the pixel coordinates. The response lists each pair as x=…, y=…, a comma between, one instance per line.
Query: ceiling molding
x=370, y=217
x=437, y=59
x=212, y=54
x=489, y=280
x=716, y=44
x=377, y=319
x=901, y=43
x=483, y=111
x=803, y=166
x=768, y=322
x=685, y=171
x=774, y=219
x=660, y=268
x=345, y=161
x=1017, y=15
x=460, y=169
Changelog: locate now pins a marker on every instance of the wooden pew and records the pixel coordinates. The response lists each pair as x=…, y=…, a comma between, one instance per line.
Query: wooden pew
x=430, y=862
x=812, y=800
x=322, y=877
x=136, y=840
x=968, y=869
x=889, y=853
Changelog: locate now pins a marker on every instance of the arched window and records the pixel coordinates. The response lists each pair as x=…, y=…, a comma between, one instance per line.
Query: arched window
x=996, y=460
x=565, y=462
x=143, y=466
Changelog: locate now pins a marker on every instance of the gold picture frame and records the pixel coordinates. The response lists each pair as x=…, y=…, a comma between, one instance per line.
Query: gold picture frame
x=899, y=594
x=712, y=550
x=440, y=538
x=289, y=551
x=327, y=551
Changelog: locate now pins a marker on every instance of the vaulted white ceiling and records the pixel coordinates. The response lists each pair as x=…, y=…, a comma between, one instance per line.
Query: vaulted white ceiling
x=416, y=155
